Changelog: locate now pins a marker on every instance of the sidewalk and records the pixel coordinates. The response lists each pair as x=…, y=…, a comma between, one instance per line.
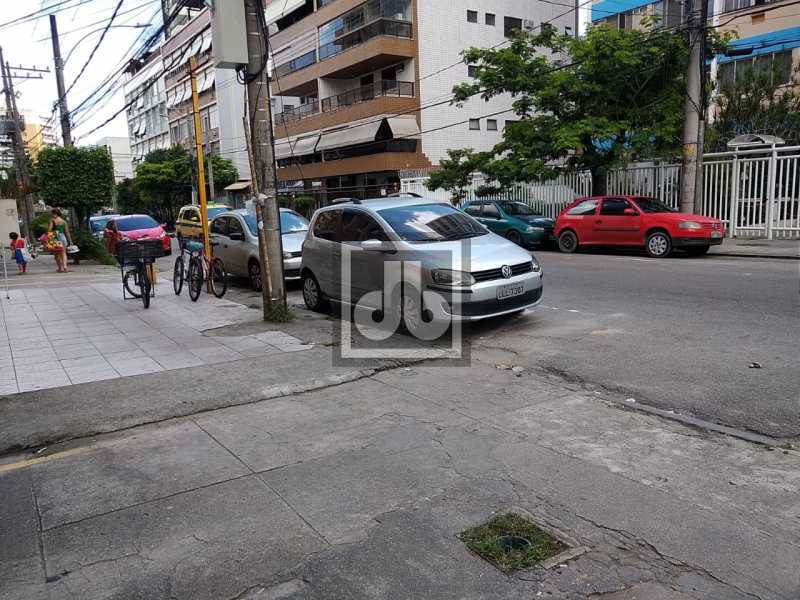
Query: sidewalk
x=758, y=248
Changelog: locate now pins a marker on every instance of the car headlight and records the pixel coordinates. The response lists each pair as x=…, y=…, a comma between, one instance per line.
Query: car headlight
x=537, y=268
x=287, y=255
x=533, y=229
x=125, y=238
x=448, y=277
x=689, y=225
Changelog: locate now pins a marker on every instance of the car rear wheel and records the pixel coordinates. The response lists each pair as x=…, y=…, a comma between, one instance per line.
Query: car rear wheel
x=254, y=274
x=312, y=293
x=568, y=242
x=659, y=244
x=514, y=236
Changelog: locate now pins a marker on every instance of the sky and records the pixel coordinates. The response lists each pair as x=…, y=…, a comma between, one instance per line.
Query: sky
x=80, y=24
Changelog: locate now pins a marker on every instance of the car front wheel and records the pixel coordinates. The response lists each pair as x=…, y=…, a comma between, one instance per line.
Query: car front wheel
x=568, y=242
x=659, y=244
x=514, y=236
x=312, y=293
x=254, y=275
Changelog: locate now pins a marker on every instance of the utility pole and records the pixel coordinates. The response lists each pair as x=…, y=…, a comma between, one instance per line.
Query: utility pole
x=20, y=159
x=693, y=106
x=198, y=141
x=701, y=125
x=577, y=19
x=66, y=128
x=267, y=212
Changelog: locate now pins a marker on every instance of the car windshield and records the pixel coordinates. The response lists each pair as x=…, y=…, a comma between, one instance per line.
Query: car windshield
x=651, y=205
x=517, y=209
x=431, y=223
x=213, y=211
x=134, y=223
x=99, y=223
x=291, y=222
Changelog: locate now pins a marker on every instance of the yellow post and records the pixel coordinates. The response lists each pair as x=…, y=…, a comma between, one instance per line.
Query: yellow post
x=201, y=174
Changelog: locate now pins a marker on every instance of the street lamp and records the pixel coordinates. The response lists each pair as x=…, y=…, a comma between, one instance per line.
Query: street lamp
x=137, y=26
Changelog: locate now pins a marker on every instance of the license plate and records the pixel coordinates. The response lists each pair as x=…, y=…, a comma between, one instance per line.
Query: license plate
x=716, y=234
x=509, y=291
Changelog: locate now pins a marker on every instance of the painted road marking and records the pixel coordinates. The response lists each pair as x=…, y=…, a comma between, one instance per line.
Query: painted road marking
x=24, y=464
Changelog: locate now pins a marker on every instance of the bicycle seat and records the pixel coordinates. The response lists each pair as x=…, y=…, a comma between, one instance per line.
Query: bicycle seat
x=194, y=246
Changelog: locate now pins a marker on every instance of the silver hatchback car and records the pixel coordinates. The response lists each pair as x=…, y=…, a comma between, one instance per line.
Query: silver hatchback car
x=463, y=271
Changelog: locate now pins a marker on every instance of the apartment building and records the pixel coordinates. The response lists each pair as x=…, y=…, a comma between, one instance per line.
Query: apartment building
x=119, y=150
x=361, y=86
x=770, y=29
x=39, y=132
x=145, y=96
x=628, y=14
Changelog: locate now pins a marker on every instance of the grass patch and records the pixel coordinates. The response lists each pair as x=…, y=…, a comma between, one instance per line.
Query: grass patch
x=279, y=313
x=498, y=542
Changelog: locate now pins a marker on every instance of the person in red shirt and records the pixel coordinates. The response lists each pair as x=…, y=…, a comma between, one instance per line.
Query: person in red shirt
x=17, y=245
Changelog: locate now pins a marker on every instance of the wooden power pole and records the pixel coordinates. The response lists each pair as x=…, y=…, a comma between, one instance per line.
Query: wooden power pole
x=693, y=107
x=66, y=127
x=260, y=117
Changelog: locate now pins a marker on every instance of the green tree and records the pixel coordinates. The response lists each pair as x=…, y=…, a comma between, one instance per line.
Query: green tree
x=756, y=103
x=78, y=178
x=609, y=97
x=224, y=172
x=164, y=182
x=455, y=173
x=128, y=198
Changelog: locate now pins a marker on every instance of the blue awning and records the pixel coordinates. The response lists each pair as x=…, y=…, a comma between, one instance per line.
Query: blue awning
x=766, y=43
x=606, y=8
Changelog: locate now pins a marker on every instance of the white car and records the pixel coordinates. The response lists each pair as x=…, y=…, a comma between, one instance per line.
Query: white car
x=236, y=234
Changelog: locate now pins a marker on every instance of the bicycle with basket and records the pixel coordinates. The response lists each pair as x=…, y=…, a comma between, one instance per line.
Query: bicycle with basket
x=136, y=256
x=199, y=270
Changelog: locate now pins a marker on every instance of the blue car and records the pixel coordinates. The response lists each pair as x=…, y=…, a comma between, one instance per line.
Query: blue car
x=515, y=221
x=98, y=224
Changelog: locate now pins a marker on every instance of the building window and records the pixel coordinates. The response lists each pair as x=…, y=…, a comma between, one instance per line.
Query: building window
x=371, y=19
x=472, y=70
x=472, y=16
x=510, y=25
x=475, y=124
x=777, y=66
x=491, y=124
x=490, y=19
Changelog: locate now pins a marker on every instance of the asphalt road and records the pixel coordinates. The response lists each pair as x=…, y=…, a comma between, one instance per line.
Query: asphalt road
x=678, y=334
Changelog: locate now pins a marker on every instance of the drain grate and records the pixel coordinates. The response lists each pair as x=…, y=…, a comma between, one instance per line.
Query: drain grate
x=512, y=542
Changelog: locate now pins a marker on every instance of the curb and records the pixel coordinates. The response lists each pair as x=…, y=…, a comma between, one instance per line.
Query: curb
x=749, y=255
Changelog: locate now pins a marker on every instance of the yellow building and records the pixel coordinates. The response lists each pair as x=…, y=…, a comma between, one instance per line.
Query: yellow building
x=39, y=133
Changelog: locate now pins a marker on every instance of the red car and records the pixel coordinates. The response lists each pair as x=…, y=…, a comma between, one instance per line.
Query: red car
x=135, y=227
x=635, y=221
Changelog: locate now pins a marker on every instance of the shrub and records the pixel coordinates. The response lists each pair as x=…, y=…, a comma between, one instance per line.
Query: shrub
x=91, y=249
x=41, y=225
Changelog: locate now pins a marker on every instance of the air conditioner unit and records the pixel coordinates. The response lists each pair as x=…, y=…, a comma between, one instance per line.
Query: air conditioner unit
x=528, y=25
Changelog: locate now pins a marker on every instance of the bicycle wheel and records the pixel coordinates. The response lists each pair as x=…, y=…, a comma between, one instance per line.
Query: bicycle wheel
x=195, y=279
x=177, y=276
x=131, y=282
x=144, y=285
x=219, y=279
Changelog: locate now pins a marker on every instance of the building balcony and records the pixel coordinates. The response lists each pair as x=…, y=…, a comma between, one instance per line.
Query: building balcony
x=386, y=161
x=381, y=97
x=367, y=56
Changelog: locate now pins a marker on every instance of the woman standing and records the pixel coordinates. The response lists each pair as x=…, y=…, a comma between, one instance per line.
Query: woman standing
x=60, y=227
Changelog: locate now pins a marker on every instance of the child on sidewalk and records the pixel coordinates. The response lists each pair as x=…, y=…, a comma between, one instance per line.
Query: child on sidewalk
x=17, y=245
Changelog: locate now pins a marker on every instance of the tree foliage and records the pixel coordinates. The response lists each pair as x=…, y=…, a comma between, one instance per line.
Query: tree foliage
x=224, y=173
x=128, y=198
x=608, y=97
x=79, y=178
x=455, y=173
x=753, y=103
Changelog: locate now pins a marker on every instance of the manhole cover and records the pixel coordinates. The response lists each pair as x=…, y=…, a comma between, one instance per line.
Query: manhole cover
x=512, y=542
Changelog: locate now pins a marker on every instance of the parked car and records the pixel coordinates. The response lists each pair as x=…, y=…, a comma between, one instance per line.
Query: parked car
x=237, y=234
x=141, y=227
x=515, y=221
x=477, y=273
x=188, y=223
x=635, y=221
x=97, y=225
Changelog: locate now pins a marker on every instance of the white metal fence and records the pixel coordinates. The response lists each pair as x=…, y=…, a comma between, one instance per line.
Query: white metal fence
x=755, y=192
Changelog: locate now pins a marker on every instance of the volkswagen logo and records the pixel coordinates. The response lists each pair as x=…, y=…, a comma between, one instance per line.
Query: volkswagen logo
x=505, y=270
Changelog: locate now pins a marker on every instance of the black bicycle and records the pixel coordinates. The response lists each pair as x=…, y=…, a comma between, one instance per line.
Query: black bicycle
x=199, y=270
x=135, y=258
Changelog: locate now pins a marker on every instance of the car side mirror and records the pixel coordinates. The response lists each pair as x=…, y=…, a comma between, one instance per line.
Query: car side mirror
x=236, y=237
x=373, y=246
x=629, y=212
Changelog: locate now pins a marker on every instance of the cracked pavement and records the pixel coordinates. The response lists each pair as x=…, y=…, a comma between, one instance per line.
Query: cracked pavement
x=359, y=490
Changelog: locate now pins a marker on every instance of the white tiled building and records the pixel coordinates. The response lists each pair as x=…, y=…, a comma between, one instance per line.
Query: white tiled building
x=148, y=128
x=119, y=150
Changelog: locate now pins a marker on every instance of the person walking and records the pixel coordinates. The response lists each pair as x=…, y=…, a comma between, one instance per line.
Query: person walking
x=17, y=246
x=61, y=228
